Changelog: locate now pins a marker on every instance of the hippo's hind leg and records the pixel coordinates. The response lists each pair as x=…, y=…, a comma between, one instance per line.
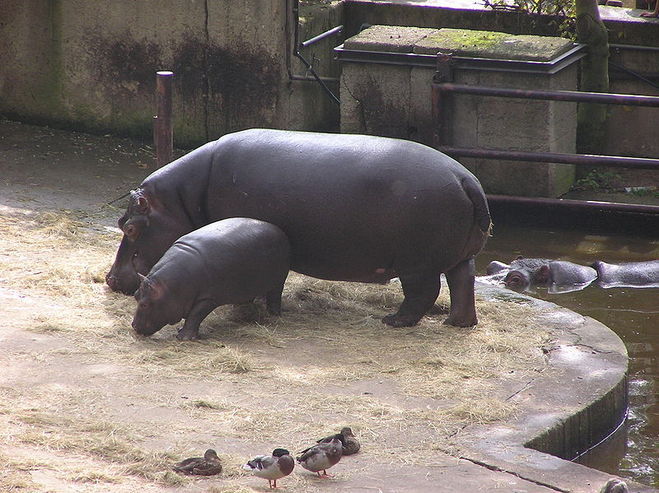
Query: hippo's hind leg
x=273, y=300
x=421, y=291
x=199, y=312
x=461, y=286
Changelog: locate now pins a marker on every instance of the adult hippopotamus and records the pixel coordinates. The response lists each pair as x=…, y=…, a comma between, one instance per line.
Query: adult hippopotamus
x=558, y=276
x=354, y=207
x=226, y=262
x=628, y=274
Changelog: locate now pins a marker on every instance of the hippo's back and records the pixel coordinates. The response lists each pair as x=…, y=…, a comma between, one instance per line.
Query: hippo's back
x=351, y=205
x=232, y=251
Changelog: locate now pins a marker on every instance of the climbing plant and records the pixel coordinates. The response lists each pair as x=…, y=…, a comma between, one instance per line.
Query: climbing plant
x=548, y=7
x=563, y=12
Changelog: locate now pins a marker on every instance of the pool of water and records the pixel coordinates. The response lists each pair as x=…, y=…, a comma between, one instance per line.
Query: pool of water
x=632, y=313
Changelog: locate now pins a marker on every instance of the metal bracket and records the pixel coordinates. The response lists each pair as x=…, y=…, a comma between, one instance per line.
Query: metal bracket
x=445, y=68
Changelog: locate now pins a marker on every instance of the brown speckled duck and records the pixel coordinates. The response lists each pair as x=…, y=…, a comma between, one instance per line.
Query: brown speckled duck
x=272, y=467
x=350, y=443
x=322, y=456
x=208, y=465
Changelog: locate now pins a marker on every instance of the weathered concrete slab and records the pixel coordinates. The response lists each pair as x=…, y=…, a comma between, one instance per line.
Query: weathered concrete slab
x=491, y=44
x=389, y=38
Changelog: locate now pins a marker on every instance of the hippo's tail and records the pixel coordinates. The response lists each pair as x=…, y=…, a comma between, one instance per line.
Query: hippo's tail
x=482, y=218
x=475, y=193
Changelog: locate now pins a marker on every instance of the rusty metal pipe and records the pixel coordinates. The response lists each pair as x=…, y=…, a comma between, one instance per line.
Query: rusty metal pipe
x=575, y=96
x=163, y=132
x=553, y=157
x=575, y=204
x=438, y=136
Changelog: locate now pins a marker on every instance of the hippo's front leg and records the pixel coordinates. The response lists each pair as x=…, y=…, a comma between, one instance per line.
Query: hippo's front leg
x=421, y=291
x=460, y=281
x=190, y=329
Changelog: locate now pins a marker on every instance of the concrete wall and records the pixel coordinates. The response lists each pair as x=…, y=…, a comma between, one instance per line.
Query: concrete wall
x=395, y=100
x=629, y=130
x=632, y=131
x=513, y=124
x=91, y=64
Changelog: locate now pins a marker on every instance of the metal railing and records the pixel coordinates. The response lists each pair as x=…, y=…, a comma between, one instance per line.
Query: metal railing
x=443, y=87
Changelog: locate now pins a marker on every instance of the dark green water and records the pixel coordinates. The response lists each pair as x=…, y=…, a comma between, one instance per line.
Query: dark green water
x=632, y=313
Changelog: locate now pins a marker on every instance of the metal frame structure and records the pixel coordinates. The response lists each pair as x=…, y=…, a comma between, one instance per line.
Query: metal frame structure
x=443, y=88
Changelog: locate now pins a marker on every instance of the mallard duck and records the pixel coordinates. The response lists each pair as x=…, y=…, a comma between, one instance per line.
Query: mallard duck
x=272, y=467
x=350, y=443
x=208, y=465
x=615, y=486
x=322, y=456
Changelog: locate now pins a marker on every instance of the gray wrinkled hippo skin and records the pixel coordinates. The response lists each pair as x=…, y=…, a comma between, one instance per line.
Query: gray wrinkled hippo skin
x=563, y=277
x=557, y=275
x=629, y=274
x=354, y=207
x=226, y=262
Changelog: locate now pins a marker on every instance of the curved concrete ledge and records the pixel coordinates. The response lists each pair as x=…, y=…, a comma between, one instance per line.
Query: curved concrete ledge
x=562, y=415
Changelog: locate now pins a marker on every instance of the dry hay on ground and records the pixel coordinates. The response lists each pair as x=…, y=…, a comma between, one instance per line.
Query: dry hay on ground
x=252, y=382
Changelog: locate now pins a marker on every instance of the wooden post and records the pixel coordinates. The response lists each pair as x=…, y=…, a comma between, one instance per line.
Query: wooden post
x=163, y=132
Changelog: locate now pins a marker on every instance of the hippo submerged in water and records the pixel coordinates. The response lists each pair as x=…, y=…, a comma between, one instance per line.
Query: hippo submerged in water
x=354, y=208
x=562, y=276
x=227, y=262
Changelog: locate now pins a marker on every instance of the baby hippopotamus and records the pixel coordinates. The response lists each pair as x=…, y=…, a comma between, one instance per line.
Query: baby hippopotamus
x=231, y=261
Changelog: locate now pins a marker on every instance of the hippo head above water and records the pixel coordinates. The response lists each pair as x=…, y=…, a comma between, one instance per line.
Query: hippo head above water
x=558, y=276
x=147, y=235
x=517, y=280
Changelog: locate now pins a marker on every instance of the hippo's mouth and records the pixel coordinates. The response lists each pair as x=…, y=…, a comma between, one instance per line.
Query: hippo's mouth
x=144, y=330
x=127, y=287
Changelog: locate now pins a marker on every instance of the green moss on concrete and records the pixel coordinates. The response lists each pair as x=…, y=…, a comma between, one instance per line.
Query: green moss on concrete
x=49, y=88
x=188, y=135
x=392, y=39
x=564, y=176
x=469, y=39
x=492, y=44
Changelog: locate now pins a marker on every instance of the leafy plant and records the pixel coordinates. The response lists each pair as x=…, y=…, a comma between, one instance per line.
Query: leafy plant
x=548, y=7
x=596, y=180
x=644, y=192
x=563, y=10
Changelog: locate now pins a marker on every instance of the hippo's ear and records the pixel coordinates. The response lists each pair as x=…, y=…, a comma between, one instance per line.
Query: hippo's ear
x=543, y=275
x=134, y=227
x=143, y=206
x=139, y=203
x=156, y=288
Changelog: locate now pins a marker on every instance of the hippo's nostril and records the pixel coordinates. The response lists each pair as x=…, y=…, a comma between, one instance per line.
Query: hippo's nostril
x=112, y=281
